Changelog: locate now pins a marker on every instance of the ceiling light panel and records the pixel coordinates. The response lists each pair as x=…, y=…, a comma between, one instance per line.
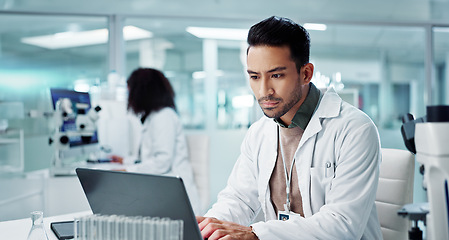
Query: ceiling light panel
x=219, y=33
x=83, y=38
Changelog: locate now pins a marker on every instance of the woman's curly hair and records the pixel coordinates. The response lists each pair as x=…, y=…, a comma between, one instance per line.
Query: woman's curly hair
x=149, y=90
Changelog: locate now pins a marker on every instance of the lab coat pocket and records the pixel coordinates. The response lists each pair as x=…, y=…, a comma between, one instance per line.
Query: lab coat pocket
x=329, y=170
x=320, y=183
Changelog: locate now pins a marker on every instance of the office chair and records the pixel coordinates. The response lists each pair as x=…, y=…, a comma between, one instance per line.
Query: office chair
x=198, y=147
x=395, y=190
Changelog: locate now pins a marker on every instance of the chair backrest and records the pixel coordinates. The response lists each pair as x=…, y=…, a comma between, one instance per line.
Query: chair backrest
x=395, y=190
x=198, y=146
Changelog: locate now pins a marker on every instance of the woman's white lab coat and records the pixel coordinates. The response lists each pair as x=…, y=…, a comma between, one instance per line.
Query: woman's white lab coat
x=337, y=161
x=163, y=150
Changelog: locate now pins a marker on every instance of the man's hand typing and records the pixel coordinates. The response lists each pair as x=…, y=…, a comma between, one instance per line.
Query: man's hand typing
x=214, y=229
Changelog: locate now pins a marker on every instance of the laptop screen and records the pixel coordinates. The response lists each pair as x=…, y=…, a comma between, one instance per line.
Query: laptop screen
x=135, y=194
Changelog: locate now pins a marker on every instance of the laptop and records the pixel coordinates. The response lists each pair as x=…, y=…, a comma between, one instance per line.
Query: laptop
x=135, y=194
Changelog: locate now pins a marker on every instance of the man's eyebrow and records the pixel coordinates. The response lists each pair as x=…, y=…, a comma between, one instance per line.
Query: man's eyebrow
x=269, y=71
x=277, y=69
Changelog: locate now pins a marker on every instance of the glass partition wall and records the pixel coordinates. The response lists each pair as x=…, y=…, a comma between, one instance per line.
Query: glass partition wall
x=441, y=63
x=379, y=67
x=207, y=73
x=38, y=52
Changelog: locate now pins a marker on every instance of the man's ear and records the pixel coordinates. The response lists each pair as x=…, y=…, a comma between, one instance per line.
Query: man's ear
x=308, y=72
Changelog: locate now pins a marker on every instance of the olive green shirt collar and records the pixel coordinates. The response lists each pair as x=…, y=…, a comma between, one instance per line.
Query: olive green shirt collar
x=305, y=111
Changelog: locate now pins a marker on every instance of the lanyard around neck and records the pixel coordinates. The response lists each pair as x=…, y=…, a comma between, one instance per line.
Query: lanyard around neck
x=288, y=179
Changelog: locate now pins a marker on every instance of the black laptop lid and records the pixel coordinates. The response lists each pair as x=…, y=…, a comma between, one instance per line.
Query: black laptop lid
x=134, y=194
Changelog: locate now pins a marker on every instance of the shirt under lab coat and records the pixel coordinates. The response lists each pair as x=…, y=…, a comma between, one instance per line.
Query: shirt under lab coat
x=337, y=161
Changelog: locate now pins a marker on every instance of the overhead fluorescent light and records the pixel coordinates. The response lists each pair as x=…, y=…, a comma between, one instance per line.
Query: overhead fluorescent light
x=135, y=33
x=84, y=38
x=202, y=74
x=441, y=29
x=315, y=26
x=219, y=33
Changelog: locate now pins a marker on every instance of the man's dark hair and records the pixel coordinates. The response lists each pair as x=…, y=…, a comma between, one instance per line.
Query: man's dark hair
x=149, y=90
x=279, y=32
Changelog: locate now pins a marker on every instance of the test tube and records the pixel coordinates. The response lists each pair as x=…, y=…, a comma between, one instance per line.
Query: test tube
x=176, y=230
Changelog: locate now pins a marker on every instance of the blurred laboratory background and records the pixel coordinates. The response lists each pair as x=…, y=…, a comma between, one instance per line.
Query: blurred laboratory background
x=387, y=58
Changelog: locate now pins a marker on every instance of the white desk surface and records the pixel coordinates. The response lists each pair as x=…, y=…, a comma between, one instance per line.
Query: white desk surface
x=19, y=229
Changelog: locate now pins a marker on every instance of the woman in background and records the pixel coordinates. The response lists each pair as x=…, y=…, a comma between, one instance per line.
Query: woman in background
x=163, y=147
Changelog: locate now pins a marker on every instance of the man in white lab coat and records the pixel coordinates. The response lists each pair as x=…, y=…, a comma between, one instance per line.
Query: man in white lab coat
x=311, y=165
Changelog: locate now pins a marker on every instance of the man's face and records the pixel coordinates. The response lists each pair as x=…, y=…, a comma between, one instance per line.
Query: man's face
x=275, y=81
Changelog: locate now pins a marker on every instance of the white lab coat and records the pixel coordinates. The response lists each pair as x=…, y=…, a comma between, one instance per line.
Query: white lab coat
x=163, y=151
x=337, y=162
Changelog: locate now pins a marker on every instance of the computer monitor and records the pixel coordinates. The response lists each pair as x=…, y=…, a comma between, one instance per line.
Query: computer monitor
x=76, y=145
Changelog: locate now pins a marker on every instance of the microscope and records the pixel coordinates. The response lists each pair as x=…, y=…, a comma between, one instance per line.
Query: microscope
x=428, y=138
x=74, y=124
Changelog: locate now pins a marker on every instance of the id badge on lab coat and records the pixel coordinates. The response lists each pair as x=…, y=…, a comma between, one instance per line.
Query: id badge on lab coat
x=286, y=215
x=283, y=215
